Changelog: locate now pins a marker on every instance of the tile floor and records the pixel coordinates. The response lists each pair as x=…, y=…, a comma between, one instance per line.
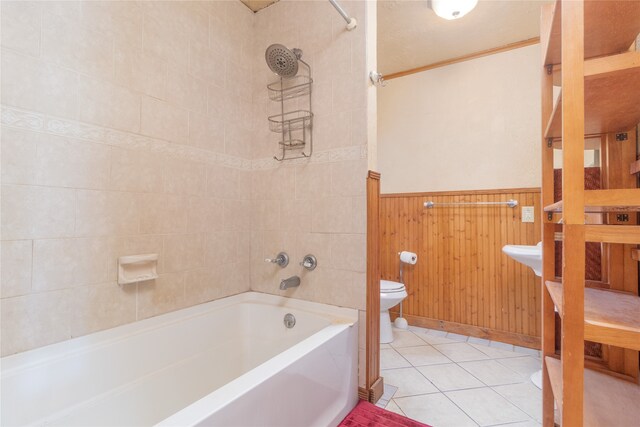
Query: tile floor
x=444, y=379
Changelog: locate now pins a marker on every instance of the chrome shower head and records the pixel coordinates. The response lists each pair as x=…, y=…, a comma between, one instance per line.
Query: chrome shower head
x=282, y=61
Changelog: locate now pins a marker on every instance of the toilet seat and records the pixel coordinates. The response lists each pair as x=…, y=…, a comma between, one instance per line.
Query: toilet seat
x=387, y=287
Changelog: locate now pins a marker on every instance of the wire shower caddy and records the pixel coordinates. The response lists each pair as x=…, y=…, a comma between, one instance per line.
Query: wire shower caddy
x=294, y=126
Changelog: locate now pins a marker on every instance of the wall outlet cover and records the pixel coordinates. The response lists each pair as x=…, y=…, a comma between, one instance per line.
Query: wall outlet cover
x=527, y=214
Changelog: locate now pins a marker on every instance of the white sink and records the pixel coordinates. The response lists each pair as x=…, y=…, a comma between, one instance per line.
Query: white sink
x=530, y=256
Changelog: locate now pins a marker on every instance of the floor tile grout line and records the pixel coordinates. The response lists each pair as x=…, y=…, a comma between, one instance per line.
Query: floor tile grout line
x=514, y=403
x=477, y=422
x=491, y=387
x=496, y=385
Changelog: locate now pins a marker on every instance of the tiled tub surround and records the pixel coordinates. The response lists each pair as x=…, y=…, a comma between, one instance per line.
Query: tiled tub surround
x=138, y=127
x=453, y=380
x=315, y=207
x=123, y=133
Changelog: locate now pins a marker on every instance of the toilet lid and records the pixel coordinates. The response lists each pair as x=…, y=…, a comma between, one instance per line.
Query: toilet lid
x=389, y=286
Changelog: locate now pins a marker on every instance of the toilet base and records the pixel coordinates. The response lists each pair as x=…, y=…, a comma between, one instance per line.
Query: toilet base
x=386, y=333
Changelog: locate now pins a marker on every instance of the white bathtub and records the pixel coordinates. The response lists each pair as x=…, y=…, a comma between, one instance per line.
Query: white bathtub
x=230, y=362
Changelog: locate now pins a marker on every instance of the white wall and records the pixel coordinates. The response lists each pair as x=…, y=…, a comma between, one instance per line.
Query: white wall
x=467, y=126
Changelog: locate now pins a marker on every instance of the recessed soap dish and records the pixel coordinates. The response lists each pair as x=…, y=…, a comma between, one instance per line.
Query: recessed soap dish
x=137, y=268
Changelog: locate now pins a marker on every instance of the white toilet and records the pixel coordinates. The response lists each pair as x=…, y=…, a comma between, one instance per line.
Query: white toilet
x=391, y=293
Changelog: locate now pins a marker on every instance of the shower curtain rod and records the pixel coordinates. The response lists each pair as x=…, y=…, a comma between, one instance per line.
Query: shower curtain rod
x=351, y=22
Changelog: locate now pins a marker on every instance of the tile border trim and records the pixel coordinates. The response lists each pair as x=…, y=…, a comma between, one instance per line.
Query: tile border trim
x=40, y=122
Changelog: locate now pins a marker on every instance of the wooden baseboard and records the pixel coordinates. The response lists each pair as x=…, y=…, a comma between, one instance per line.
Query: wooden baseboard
x=473, y=331
x=374, y=393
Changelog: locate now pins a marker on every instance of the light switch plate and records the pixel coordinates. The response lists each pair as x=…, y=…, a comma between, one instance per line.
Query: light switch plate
x=527, y=214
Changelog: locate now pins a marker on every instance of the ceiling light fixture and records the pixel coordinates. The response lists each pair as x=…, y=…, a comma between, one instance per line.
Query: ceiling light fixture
x=452, y=9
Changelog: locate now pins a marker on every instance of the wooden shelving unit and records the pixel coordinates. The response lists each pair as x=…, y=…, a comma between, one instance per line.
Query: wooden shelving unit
x=608, y=401
x=587, y=50
x=609, y=317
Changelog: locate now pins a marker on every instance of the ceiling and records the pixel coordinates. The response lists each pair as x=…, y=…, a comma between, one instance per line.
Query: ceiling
x=411, y=35
x=256, y=5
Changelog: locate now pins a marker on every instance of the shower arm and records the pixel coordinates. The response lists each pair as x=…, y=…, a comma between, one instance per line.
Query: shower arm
x=351, y=22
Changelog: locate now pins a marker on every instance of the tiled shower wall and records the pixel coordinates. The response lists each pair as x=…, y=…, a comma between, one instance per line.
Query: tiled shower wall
x=314, y=206
x=138, y=127
x=124, y=131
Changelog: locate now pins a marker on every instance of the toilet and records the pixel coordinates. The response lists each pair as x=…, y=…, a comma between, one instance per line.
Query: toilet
x=391, y=293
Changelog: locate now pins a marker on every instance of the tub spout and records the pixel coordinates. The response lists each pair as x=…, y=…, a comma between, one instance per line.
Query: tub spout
x=291, y=282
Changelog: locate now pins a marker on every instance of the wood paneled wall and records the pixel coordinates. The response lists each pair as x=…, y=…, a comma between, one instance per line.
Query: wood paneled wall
x=462, y=281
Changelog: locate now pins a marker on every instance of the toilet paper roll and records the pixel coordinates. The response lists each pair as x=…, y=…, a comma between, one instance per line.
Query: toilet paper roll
x=408, y=257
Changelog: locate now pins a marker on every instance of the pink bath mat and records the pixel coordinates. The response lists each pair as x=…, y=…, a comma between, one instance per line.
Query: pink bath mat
x=366, y=414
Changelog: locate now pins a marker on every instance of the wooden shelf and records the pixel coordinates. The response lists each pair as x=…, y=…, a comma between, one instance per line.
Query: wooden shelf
x=609, y=317
x=608, y=400
x=609, y=88
x=611, y=200
x=625, y=234
x=610, y=27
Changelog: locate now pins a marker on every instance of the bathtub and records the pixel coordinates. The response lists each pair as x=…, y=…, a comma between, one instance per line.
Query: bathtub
x=230, y=362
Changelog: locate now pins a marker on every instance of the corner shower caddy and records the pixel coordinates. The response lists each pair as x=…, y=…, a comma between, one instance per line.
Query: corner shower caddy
x=294, y=126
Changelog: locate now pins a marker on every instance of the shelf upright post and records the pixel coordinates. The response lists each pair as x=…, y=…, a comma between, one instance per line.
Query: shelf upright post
x=548, y=227
x=573, y=248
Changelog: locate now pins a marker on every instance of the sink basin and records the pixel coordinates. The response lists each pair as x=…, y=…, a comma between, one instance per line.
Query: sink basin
x=530, y=256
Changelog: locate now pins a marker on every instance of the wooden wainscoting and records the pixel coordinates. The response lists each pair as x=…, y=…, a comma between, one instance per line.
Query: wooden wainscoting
x=463, y=282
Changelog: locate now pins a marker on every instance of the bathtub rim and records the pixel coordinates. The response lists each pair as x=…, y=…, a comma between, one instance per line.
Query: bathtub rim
x=14, y=363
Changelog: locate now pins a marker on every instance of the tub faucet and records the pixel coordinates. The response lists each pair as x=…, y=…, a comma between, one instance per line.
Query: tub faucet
x=291, y=282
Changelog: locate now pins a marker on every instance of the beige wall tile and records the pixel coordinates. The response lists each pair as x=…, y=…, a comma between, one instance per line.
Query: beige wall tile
x=19, y=153
x=313, y=181
x=133, y=170
x=140, y=72
x=37, y=212
x=295, y=215
x=16, y=260
x=205, y=215
x=265, y=215
x=333, y=215
x=73, y=46
x=186, y=91
x=106, y=104
x=206, y=64
x=202, y=285
x=34, y=320
x=223, y=183
x=206, y=133
x=162, y=295
x=237, y=215
x=222, y=248
x=98, y=307
x=273, y=184
x=184, y=252
x=238, y=140
x=68, y=162
x=349, y=178
x=348, y=252
x=163, y=39
x=185, y=177
x=163, y=213
x=102, y=213
x=21, y=26
x=121, y=20
x=165, y=121
x=32, y=84
x=66, y=263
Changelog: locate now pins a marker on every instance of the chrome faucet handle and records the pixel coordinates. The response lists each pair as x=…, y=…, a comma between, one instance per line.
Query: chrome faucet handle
x=309, y=262
x=282, y=259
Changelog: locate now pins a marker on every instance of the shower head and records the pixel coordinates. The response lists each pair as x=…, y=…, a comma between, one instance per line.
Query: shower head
x=282, y=61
